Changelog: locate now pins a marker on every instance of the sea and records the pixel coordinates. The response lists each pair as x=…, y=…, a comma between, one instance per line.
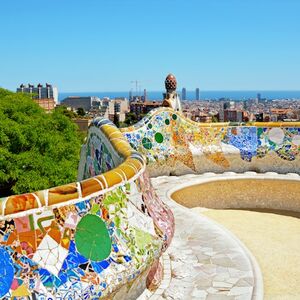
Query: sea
x=204, y=95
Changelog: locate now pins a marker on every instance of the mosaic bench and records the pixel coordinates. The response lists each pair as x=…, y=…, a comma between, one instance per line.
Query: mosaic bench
x=99, y=237
x=175, y=145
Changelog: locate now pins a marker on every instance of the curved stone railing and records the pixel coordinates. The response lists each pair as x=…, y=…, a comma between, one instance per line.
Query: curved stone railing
x=88, y=239
x=176, y=145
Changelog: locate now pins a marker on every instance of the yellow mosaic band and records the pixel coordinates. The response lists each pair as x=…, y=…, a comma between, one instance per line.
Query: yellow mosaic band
x=74, y=192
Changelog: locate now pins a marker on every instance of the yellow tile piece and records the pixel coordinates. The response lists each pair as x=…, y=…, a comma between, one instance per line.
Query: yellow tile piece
x=21, y=291
x=62, y=193
x=112, y=178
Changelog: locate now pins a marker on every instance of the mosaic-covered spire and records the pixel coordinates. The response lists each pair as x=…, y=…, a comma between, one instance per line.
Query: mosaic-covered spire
x=170, y=83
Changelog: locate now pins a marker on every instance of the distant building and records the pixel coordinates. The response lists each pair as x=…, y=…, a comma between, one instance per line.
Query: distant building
x=45, y=96
x=130, y=95
x=121, y=104
x=121, y=108
x=47, y=104
x=141, y=108
x=145, y=95
x=201, y=118
x=108, y=109
x=228, y=105
x=183, y=94
x=258, y=97
x=113, y=108
x=40, y=91
x=280, y=114
x=76, y=102
x=197, y=94
x=137, y=99
x=231, y=115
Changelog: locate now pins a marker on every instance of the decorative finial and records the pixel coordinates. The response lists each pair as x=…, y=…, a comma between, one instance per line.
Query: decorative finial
x=171, y=98
x=171, y=83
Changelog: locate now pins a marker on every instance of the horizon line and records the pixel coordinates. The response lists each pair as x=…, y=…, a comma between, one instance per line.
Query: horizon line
x=267, y=90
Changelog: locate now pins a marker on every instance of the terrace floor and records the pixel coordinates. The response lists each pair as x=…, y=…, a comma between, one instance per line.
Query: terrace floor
x=209, y=261
x=274, y=239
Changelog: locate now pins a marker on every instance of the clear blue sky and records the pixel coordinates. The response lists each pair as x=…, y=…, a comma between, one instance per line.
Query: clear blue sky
x=97, y=45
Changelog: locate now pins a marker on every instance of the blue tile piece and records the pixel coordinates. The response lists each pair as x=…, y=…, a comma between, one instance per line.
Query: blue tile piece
x=6, y=271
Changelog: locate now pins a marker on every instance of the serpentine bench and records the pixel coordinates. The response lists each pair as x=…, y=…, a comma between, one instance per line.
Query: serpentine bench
x=95, y=238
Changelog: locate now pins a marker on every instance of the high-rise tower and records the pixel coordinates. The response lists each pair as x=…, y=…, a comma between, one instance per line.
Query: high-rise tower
x=183, y=94
x=45, y=96
x=197, y=94
x=40, y=92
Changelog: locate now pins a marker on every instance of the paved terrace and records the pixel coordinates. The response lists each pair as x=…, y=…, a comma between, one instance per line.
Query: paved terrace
x=204, y=260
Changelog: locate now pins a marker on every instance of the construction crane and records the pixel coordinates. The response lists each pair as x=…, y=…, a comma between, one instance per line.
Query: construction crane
x=137, y=86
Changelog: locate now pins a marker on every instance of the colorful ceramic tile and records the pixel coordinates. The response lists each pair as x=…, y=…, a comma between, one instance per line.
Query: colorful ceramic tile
x=50, y=255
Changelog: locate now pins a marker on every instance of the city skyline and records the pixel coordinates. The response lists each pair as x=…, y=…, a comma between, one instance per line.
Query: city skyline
x=213, y=45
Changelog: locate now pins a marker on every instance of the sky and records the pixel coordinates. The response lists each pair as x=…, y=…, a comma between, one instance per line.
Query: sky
x=97, y=45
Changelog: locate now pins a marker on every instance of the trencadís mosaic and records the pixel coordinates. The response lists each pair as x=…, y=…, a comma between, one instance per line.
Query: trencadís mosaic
x=166, y=137
x=64, y=244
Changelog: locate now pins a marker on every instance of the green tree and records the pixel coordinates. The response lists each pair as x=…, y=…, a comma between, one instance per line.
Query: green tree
x=130, y=119
x=214, y=119
x=64, y=110
x=37, y=150
x=80, y=112
x=116, y=120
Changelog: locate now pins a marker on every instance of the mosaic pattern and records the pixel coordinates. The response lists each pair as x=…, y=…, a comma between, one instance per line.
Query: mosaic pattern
x=244, y=139
x=62, y=244
x=98, y=157
x=285, y=142
x=166, y=136
x=101, y=236
x=78, y=246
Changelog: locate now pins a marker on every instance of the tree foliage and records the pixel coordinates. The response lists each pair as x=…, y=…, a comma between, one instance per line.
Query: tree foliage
x=131, y=118
x=80, y=112
x=37, y=150
x=64, y=110
x=214, y=119
x=116, y=120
